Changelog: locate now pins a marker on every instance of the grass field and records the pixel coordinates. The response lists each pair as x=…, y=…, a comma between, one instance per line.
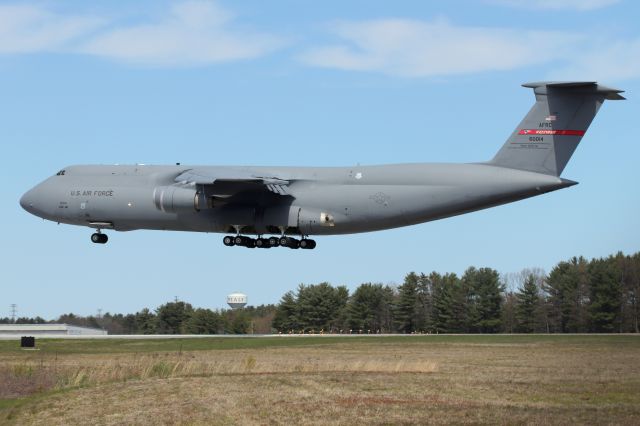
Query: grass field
x=324, y=380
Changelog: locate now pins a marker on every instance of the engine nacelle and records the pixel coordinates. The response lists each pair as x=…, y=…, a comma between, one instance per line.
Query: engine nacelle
x=308, y=221
x=175, y=199
x=311, y=220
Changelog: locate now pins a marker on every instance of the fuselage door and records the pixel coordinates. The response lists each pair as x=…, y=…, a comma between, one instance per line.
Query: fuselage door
x=84, y=208
x=79, y=205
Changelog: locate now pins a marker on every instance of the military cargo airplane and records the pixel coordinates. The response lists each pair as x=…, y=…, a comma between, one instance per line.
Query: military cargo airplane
x=265, y=207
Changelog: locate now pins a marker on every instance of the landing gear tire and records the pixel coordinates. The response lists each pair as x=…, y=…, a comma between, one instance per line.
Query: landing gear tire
x=274, y=242
x=292, y=243
x=244, y=241
x=263, y=243
x=99, y=238
x=307, y=244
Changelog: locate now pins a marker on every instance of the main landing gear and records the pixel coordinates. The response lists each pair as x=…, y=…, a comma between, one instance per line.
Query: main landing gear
x=290, y=242
x=99, y=238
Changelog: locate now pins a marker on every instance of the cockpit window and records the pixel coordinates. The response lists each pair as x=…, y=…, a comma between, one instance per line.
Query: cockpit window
x=60, y=173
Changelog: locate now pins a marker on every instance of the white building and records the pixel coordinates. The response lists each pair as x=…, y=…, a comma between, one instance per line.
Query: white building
x=48, y=329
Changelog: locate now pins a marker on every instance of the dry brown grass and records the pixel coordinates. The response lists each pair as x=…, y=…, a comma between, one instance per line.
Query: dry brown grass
x=24, y=377
x=343, y=383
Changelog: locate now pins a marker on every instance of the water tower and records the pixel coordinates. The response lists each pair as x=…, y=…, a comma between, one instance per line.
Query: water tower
x=237, y=300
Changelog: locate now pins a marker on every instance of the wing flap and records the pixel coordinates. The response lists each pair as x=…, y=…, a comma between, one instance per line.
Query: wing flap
x=236, y=177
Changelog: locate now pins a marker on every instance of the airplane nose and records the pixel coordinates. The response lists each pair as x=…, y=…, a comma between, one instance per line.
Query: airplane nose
x=26, y=201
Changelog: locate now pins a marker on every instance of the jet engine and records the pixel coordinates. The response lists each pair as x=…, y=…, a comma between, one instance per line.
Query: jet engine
x=176, y=199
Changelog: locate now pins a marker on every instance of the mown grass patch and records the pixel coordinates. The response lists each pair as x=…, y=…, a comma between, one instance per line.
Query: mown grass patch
x=100, y=346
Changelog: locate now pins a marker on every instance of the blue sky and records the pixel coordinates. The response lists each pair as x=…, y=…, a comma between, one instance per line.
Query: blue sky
x=302, y=83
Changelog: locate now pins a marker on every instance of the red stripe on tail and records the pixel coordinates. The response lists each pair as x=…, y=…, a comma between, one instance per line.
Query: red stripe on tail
x=551, y=132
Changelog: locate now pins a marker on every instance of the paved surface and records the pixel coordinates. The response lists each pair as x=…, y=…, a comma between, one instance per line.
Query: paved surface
x=258, y=336
x=184, y=336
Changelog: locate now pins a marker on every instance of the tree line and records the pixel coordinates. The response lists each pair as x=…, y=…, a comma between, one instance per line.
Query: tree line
x=577, y=296
x=175, y=317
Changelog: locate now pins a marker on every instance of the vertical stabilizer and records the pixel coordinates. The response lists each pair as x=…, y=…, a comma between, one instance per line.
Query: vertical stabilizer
x=549, y=134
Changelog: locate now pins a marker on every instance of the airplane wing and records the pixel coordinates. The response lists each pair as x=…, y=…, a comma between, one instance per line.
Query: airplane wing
x=234, y=177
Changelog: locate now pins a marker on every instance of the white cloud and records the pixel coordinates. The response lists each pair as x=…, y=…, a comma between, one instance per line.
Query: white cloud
x=579, y=5
x=199, y=33
x=607, y=62
x=419, y=49
x=194, y=33
x=29, y=29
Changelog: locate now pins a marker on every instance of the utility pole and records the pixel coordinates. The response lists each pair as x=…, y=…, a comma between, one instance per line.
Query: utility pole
x=13, y=312
x=99, y=313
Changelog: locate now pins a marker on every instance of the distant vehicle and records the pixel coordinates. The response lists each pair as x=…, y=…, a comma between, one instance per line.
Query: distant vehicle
x=284, y=206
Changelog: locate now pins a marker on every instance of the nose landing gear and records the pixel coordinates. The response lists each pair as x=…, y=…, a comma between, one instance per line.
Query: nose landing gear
x=99, y=238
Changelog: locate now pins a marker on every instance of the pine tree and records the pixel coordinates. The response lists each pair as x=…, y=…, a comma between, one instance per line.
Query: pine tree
x=145, y=322
x=509, y=322
x=321, y=307
x=528, y=305
x=462, y=308
x=203, y=321
x=424, y=308
x=286, y=318
x=443, y=302
x=171, y=316
x=631, y=294
x=239, y=322
x=605, y=291
x=484, y=299
x=568, y=289
x=405, y=312
x=367, y=308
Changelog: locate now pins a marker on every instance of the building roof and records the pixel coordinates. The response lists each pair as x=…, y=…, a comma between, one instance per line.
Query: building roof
x=46, y=327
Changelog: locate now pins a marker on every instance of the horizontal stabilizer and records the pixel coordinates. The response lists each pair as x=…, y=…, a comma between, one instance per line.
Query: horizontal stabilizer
x=577, y=87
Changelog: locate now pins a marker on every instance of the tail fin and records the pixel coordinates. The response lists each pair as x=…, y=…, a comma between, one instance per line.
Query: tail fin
x=551, y=131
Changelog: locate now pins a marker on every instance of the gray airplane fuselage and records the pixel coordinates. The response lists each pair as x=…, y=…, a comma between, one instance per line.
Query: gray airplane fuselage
x=354, y=199
x=307, y=201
